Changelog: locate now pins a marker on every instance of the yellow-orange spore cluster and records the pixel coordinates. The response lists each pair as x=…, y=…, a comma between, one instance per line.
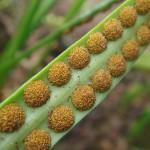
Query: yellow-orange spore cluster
x=101, y=80
x=130, y=50
x=96, y=43
x=143, y=35
x=12, y=117
x=116, y=65
x=36, y=93
x=127, y=16
x=61, y=118
x=142, y=6
x=112, y=29
x=79, y=57
x=83, y=98
x=38, y=140
x=59, y=74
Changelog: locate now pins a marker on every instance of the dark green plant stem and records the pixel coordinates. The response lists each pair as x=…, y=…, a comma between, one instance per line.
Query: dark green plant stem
x=46, y=6
x=74, y=9
x=140, y=124
x=5, y=67
x=34, y=15
x=19, y=38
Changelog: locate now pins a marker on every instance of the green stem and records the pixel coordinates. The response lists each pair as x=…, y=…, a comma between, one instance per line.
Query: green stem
x=74, y=9
x=46, y=6
x=34, y=14
x=17, y=41
x=5, y=67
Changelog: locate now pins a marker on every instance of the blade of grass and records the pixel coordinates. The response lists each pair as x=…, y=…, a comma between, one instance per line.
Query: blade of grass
x=43, y=9
x=29, y=21
x=74, y=9
x=46, y=6
x=17, y=41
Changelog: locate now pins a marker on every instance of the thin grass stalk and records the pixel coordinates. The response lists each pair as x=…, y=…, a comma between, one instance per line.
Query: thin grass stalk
x=74, y=9
x=17, y=41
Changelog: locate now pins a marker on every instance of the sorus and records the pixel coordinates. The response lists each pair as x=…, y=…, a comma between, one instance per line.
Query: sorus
x=36, y=93
x=127, y=16
x=96, y=43
x=143, y=35
x=83, y=98
x=112, y=29
x=59, y=74
x=116, y=65
x=142, y=6
x=61, y=118
x=38, y=140
x=101, y=80
x=79, y=57
x=130, y=50
x=12, y=117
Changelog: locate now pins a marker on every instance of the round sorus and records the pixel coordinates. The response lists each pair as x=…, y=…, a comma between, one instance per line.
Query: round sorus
x=38, y=140
x=101, y=80
x=61, y=118
x=36, y=93
x=96, y=43
x=127, y=16
x=116, y=65
x=79, y=57
x=142, y=6
x=143, y=35
x=83, y=98
x=12, y=117
x=112, y=29
x=59, y=74
x=130, y=50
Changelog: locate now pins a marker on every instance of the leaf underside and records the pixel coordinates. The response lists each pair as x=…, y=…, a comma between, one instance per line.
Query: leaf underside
x=36, y=118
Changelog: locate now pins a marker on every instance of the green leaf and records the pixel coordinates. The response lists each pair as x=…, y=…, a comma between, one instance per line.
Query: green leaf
x=36, y=118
